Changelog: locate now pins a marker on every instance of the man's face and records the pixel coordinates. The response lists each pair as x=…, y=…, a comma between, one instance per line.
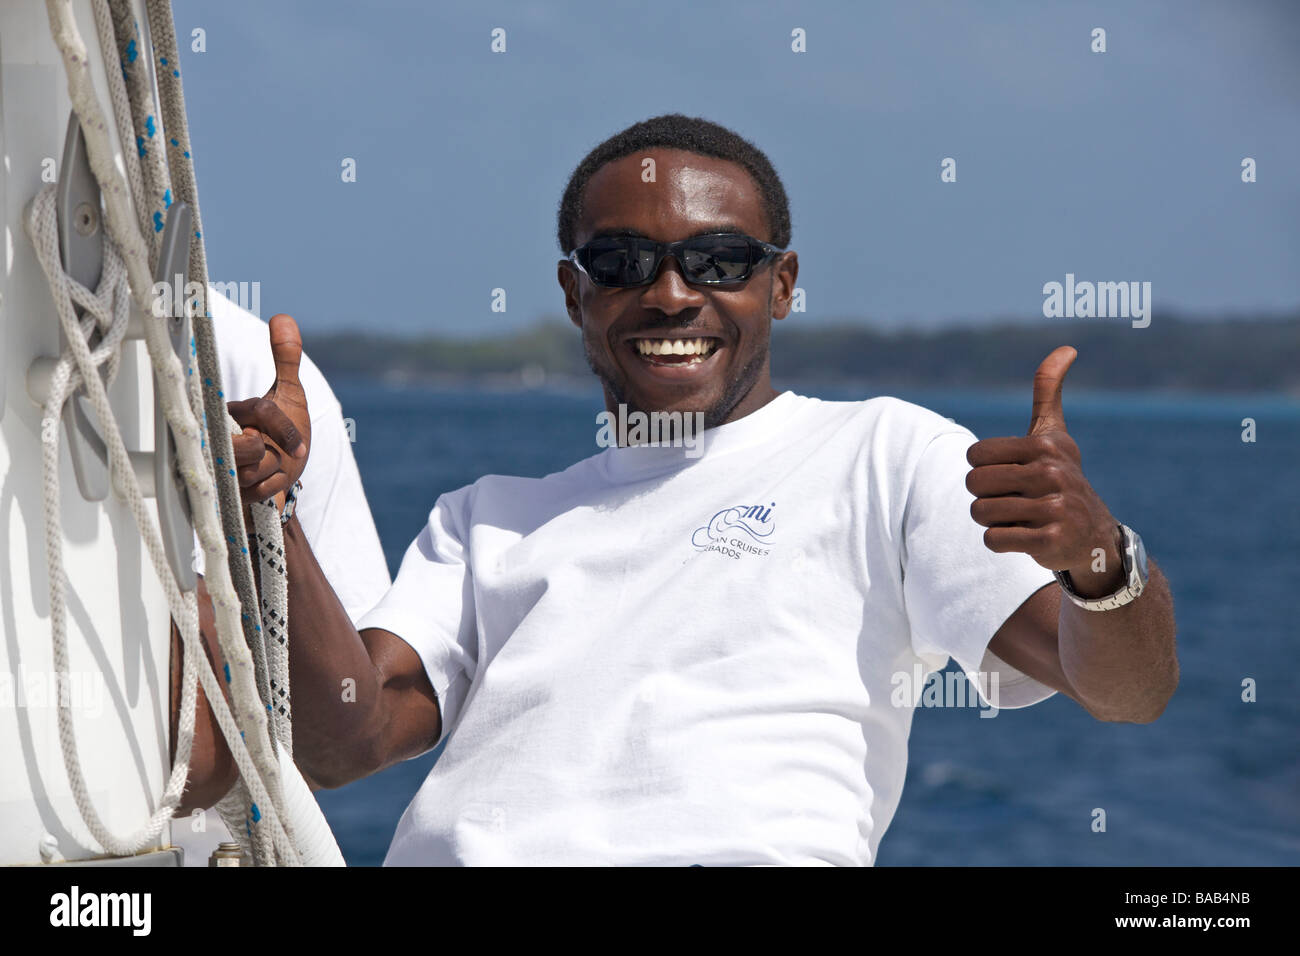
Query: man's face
x=692, y=195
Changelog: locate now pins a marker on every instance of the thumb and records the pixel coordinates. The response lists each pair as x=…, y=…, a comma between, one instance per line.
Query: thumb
x=286, y=350
x=1047, y=414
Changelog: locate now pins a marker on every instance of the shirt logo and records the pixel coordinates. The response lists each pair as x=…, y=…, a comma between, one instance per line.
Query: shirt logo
x=738, y=531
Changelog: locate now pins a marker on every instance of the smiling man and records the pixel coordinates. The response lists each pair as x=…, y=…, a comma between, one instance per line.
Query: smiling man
x=655, y=658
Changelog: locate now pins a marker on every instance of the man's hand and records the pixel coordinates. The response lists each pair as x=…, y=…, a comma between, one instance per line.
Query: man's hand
x=271, y=453
x=1032, y=495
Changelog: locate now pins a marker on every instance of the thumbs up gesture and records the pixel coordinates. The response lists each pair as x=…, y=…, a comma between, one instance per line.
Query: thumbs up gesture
x=271, y=452
x=1031, y=494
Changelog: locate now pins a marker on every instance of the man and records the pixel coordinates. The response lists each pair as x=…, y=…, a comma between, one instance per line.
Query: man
x=656, y=657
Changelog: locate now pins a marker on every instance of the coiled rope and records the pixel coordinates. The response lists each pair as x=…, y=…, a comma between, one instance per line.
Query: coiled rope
x=108, y=310
x=269, y=832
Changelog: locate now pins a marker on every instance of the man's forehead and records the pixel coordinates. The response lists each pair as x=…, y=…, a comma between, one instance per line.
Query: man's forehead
x=689, y=194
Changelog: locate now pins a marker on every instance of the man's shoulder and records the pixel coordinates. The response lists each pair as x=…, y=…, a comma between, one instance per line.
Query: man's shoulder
x=519, y=490
x=882, y=418
x=580, y=474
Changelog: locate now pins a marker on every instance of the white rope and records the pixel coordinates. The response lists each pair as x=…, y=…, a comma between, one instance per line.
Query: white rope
x=180, y=164
x=247, y=734
x=122, y=114
x=108, y=309
x=141, y=122
x=131, y=94
x=143, y=128
x=270, y=654
x=108, y=313
x=275, y=616
x=146, y=170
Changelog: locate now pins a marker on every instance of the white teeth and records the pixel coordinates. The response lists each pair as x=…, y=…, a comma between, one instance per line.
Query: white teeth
x=699, y=348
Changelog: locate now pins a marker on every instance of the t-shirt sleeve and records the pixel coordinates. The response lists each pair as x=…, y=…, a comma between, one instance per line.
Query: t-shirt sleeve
x=333, y=510
x=431, y=605
x=332, y=507
x=956, y=591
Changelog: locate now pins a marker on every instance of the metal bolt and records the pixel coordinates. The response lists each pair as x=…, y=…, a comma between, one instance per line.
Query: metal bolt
x=227, y=854
x=85, y=219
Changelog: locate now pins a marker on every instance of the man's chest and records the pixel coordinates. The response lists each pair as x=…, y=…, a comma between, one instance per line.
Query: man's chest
x=742, y=564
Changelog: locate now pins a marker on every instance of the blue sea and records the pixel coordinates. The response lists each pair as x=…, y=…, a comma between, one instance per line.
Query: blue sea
x=1214, y=782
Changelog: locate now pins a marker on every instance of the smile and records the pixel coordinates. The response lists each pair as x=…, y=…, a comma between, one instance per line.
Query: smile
x=678, y=352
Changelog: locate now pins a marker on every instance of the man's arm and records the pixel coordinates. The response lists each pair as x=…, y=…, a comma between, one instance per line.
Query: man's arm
x=361, y=700
x=1032, y=496
x=1119, y=665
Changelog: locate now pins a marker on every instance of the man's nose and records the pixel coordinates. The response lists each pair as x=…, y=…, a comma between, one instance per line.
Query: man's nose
x=670, y=293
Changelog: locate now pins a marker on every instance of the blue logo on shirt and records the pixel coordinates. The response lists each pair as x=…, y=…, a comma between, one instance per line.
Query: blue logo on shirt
x=737, y=529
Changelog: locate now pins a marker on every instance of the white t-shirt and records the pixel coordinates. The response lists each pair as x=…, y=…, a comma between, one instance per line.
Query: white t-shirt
x=650, y=658
x=332, y=507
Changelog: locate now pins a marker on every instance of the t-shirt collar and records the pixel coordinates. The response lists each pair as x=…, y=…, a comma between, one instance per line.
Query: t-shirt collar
x=629, y=462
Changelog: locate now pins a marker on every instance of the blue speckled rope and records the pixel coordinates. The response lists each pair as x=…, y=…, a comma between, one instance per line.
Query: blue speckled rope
x=181, y=164
x=257, y=759
x=163, y=150
x=146, y=164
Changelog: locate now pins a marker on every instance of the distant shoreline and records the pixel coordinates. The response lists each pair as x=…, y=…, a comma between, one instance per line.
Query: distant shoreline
x=588, y=388
x=1173, y=356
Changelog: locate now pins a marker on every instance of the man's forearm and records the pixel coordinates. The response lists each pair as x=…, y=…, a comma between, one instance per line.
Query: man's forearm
x=1122, y=662
x=333, y=684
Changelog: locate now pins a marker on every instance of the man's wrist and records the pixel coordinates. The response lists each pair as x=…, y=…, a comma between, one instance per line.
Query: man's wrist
x=1102, y=575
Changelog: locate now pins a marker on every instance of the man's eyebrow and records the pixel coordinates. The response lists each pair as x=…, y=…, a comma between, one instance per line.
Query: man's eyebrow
x=724, y=227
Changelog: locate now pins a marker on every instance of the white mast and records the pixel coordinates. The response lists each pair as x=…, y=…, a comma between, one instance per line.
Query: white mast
x=118, y=625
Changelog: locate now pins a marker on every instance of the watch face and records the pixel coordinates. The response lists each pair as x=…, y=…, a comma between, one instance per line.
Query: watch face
x=1140, y=555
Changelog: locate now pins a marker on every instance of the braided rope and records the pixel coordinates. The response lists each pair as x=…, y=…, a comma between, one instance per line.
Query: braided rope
x=108, y=309
x=275, y=615
x=270, y=660
x=131, y=91
x=109, y=312
x=155, y=194
x=122, y=114
x=181, y=164
x=263, y=776
x=150, y=131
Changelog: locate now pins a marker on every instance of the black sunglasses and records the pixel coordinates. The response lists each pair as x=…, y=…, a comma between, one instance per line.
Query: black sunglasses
x=623, y=262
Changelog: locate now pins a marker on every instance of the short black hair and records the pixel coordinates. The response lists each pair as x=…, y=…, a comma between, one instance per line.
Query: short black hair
x=693, y=135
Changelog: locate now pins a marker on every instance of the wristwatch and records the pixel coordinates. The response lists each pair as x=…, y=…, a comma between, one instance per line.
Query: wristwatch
x=1134, y=556
x=290, y=502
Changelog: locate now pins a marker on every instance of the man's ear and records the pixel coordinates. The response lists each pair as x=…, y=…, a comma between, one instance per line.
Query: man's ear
x=567, y=274
x=785, y=272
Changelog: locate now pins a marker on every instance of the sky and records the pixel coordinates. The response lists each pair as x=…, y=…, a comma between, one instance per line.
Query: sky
x=1123, y=165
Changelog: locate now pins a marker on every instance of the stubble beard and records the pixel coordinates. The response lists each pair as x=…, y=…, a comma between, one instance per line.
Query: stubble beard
x=616, y=384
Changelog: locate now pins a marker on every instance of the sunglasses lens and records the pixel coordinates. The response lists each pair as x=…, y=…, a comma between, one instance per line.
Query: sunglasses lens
x=619, y=261
x=716, y=259
x=630, y=260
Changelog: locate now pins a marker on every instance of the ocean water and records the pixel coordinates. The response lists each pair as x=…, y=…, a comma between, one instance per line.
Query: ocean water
x=1215, y=781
